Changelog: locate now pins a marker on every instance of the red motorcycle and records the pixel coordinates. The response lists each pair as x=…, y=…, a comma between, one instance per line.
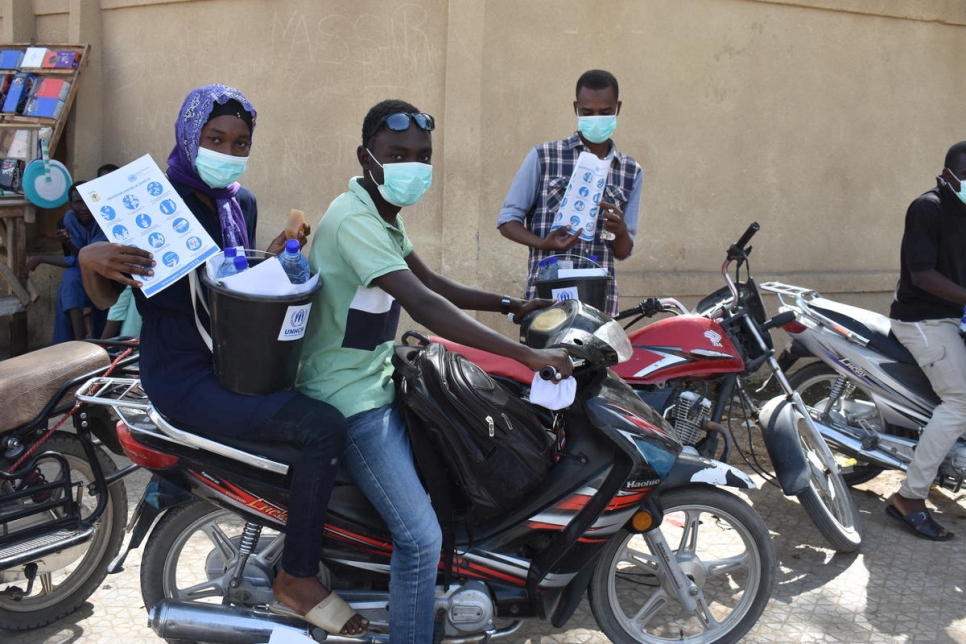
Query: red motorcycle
x=692, y=368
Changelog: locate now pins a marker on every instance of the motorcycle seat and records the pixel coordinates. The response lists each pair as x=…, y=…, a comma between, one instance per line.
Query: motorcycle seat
x=872, y=326
x=30, y=381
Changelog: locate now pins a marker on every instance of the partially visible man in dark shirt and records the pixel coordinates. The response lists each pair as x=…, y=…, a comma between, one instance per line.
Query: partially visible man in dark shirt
x=928, y=304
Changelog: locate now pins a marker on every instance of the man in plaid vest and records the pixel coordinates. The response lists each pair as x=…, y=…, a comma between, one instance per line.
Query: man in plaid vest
x=539, y=186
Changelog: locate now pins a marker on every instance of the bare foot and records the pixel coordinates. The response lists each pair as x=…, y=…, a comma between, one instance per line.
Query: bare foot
x=302, y=594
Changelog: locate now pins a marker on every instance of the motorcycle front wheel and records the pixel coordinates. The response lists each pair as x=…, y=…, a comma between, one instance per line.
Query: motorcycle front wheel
x=67, y=578
x=814, y=383
x=827, y=500
x=721, y=544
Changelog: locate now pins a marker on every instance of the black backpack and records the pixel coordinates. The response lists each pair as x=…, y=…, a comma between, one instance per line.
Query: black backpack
x=489, y=440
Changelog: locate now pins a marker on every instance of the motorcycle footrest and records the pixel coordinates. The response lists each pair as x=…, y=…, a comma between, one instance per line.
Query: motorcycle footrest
x=43, y=545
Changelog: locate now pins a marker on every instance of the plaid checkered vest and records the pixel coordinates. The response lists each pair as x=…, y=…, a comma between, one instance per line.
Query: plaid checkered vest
x=557, y=159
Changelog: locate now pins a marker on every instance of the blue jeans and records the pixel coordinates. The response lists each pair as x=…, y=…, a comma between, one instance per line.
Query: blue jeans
x=378, y=455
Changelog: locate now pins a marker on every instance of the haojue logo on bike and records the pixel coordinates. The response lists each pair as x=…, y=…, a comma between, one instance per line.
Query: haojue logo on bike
x=293, y=327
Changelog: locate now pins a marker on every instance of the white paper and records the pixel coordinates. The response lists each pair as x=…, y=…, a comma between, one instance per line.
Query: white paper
x=137, y=206
x=265, y=278
x=579, y=206
x=565, y=273
x=288, y=635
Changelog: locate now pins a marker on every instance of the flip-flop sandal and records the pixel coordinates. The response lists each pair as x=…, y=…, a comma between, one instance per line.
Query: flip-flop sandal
x=920, y=524
x=330, y=614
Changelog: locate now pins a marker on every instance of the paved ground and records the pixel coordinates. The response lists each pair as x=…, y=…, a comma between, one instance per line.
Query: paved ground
x=896, y=589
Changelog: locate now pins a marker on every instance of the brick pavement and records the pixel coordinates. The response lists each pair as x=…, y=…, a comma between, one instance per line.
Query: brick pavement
x=896, y=589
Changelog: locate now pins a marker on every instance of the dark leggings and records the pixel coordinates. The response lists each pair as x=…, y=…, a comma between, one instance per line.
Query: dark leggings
x=318, y=430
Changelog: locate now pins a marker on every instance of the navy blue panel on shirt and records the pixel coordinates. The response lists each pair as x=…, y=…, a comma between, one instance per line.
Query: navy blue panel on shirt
x=366, y=330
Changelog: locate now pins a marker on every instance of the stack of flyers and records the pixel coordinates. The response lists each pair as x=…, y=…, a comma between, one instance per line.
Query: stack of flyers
x=579, y=206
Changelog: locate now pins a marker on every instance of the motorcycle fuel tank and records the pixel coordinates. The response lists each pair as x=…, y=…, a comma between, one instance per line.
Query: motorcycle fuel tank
x=688, y=345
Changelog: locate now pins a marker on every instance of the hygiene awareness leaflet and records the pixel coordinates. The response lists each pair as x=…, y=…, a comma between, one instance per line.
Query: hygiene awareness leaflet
x=136, y=205
x=579, y=206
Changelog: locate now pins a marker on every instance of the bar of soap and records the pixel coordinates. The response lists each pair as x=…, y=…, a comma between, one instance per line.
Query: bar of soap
x=296, y=220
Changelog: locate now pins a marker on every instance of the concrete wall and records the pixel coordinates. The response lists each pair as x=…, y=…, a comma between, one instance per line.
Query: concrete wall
x=820, y=119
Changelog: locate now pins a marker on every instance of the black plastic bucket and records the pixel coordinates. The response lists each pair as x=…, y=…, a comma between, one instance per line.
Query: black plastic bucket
x=250, y=357
x=590, y=290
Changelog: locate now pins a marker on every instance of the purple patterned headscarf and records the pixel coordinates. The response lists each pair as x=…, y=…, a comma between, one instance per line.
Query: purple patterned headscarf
x=181, y=162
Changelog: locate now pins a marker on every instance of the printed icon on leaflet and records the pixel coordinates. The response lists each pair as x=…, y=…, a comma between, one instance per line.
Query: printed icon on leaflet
x=130, y=202
x=155, y=189
x=167, y=207
x=156, y=240
x=143, y=221
x=108, y=213
x=170, y=259
x=180, y=225
x=119, y=232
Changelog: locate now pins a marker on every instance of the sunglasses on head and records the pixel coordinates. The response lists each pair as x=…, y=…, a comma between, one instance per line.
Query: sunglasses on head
x=400, y=121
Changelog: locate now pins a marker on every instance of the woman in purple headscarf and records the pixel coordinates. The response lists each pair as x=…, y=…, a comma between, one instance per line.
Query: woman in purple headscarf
x=213, y=138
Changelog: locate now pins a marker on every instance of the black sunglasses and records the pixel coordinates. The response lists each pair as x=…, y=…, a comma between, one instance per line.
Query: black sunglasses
x=400, y=121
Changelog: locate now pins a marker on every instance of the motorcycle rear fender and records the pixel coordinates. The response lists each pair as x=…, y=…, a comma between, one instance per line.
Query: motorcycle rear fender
x=778, y=420
x=158, y=498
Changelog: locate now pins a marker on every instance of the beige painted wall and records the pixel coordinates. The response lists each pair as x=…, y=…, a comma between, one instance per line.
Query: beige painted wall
x=820, y=119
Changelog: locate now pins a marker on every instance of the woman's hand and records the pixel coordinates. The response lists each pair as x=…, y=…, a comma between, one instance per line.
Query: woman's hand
x=116, y=261
x=521, y=311
x=278, y=244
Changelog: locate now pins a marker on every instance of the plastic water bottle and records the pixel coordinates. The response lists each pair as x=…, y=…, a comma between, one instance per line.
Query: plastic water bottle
x=593, y=261
x=239, y=263
x=962, y=324
x=552, y=268
x=228, y=264
x=294, y=263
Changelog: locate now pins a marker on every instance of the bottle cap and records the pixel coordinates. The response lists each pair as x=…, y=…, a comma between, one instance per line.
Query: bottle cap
x=241, y=262
x=542, y=262
x=231, y=251
x=292, y=246
x=553, y=259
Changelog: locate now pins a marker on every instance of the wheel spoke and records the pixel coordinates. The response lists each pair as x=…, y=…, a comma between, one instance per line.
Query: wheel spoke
x=727, y=566
x=689, y=534
x=704, y=615
x=220, y=540
x=46, y=582
x=202, y=590
x=651, y=607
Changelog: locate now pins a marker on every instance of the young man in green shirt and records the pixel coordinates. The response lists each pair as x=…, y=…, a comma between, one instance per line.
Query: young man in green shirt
x=369, y=270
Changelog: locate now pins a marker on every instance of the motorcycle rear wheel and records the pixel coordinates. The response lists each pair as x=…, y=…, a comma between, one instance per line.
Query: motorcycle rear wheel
x=60, y=592
x=721, y=543
x=814, y=382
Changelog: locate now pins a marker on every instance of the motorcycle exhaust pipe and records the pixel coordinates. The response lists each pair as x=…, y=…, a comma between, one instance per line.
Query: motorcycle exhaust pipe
x=220, y=624
x=196, y=622
x=853, y=447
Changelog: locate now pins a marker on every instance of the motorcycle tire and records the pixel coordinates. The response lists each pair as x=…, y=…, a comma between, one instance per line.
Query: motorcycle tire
x=720, y=542
x=191, y=553
x=59, y=592
x=813, y=383
x=827, y=500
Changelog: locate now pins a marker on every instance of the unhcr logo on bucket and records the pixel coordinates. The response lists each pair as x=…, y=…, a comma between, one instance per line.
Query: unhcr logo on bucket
x=293, y=327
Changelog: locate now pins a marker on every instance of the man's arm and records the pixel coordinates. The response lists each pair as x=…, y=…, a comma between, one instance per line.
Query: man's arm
x=441, y=316
x=937, y=284
x=103, y=263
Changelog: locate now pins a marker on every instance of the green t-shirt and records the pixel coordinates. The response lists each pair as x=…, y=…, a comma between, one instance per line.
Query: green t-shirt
x=346, y=357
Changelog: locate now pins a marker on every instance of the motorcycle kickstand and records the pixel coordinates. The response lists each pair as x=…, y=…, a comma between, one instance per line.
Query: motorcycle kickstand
x=16, y=594
x=688, y=594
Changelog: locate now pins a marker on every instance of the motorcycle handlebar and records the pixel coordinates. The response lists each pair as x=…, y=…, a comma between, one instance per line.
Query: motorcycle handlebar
x=743, y=241
x=549, y=373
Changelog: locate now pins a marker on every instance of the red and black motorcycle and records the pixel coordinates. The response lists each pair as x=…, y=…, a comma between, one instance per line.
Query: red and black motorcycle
x=692, y=368
x=622, y=514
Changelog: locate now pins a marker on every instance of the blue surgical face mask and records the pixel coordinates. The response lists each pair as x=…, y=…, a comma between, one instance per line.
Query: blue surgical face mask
x=962, y=187
x=219, y=170
x=403, y=184
x=597, y=129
